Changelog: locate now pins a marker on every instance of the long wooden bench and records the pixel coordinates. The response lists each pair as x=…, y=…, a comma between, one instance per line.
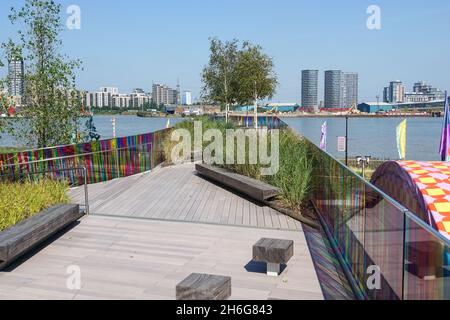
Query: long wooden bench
x=253, y=188
x=29, y=233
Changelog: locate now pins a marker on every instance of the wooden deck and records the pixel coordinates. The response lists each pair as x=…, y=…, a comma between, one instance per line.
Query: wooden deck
x=177, y=194
x=148, y=232
x=122, y=258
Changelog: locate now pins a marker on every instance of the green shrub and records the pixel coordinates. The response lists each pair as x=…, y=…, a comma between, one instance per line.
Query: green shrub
x=19, y=201
x=8, y=150
x=207, y=124
x=295, y=173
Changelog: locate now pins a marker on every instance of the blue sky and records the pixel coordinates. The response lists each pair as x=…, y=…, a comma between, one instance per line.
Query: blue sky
x=136, y=42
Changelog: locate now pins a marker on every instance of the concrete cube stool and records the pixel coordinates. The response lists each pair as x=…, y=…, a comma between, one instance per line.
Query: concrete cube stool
x=204, y=287
x=274, y=252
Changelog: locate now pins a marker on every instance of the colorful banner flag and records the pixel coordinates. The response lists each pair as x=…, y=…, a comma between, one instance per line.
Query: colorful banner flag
x=401, y=139
x=445, y=135
x=323, y=138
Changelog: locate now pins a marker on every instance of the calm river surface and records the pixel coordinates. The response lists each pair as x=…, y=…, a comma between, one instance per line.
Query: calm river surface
x=125, y=126
x=371, y=137
x=376, y=137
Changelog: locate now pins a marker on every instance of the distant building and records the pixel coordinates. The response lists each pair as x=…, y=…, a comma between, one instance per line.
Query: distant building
x=341, y=89
x=375, y=107
x=192, y=110
x=109, y=97
x=395, y=93
x=350, y=89
x=89, y=99
x=333, y=89
x=103, y=99
x=418, y=97
x=162, y=94
x=187, y=98
x=122, y=101
x=310, y=89
x=16, y=74
x=139, y=98
x=423, y=92
x=111, y=90
x=282, y=107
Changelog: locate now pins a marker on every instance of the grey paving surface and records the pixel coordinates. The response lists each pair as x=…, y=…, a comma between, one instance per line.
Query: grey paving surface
x=122, y=258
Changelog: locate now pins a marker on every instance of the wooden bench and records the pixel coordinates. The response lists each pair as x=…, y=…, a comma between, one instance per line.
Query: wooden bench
x=29, y=233
x=204, y=287
x=274, y=252
x=253, y=188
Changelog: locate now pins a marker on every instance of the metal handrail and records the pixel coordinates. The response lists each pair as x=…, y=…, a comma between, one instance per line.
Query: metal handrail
x=422, y=224
x=77, y=144
x=72, y=156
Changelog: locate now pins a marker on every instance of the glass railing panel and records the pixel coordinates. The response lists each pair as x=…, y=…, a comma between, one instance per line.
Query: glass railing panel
x=367, y=227
x=427, y=262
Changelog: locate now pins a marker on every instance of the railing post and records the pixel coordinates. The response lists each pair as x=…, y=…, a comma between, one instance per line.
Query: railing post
x=404, y=255
x=118, y=162
x=86, y=193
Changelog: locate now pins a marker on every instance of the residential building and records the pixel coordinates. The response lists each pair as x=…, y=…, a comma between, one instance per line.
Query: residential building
x=341, y=89
x=333, y=89
x=111, y=90
x=187, y=98
x=422, y=92
x=310, y=89
x=395, y=93
x=428, y=92
x=122, y=101
x=350, y=89
x=418, y=97
x=89, y=99
x=103, y=99
x=162, y=94
x=16, y=74
x=139, y=98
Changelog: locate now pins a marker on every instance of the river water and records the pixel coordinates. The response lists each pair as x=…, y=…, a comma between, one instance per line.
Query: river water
x=375, y=137
x=369, y=137
x=125, y=126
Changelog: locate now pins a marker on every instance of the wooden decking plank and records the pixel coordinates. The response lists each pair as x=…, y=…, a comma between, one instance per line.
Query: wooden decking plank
x=253, y=216
x=177, y=193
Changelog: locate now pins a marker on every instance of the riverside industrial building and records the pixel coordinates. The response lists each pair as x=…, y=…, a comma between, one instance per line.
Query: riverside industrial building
x=376, y=107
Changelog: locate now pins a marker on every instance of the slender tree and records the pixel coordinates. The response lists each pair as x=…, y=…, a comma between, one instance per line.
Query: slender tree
x=256, y=77
x=238, y=74
x=3, y=102
x=219, y=80
x=51, y=103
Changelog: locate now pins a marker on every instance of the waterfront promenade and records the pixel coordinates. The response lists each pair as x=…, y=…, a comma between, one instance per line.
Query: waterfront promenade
x=148, y=232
